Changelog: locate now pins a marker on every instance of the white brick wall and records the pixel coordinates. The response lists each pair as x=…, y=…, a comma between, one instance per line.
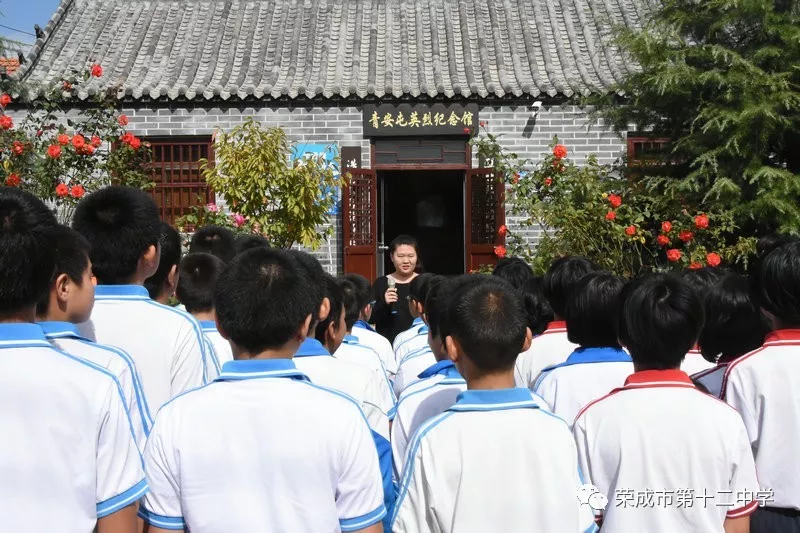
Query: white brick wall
x=519, y=132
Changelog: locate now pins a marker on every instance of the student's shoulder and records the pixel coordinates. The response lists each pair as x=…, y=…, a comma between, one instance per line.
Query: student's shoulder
x=422, y=350
x=330, y=401
x=748, y=360
x=418, y=388
x=600, y=406
x=172, y=316
x=69, y=366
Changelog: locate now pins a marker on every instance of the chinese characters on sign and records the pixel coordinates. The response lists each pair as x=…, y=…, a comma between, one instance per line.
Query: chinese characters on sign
x=419, y=119
x=684, y=498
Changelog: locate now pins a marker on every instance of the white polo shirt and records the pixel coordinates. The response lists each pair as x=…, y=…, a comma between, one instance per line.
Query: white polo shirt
x=437, y=389
x=412, y=344
x=550, y=348
x=694, y=362
x=668, y=457
x=409, y=369
x=763, y=386
x=67, y=451
x=353, y=351
x=278, y=453
x=371, y=338
x=166, y=344
x=218, y=349
x=712, y=379
x=587, y=374
x=493, y=461
x=314, y=360
x=403, y=336
x=65, y=337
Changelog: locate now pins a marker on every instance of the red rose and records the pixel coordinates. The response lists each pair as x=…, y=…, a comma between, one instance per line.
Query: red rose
x=123, y=120
x=502, y=230
x=674, y=255
x=78, y=141
x=713, y=259
x=500, y=251
x=615, y=200
x=77, y=191
x=97, y=142
x=6, y=122
x=4, y=100
x=97, y=70
x=39, y=133
x=54, y=151
x=483, y=124
x=701, y=222
x=694, y=265
x=66, y=85
x=515, y=179
x=666, y=227
x=136, y=143
x=62, y=190
x=611, y=215
x=560, y=151
x=685, y=235
x=548, y=181
x=63, y=139
x=12, y=180
x=662, y=240
x=88, y=149
x=18, y=148
x=127, y=138
x=630, y=231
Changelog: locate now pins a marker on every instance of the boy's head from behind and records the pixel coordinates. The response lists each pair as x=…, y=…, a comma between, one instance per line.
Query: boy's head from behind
x=351, y=302
x=660, y=321
x=214, y=240
x=123, y=227
x=777, y=286
x=418, y=292
x=163, y=283
x=514, y=270
x=488, y=327
x=592, y=310
x=264, y=301
x=27, y=260
x=363, y=294
x=71, y=295
x=562, y=276
x=318, y=279
x=734, y=324
x=437, y=308
x=248, y=242
x=331, y=330
x=536, y=306
x=197, y=281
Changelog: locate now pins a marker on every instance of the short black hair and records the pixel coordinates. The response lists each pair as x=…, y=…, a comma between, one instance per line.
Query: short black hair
x=362, y=287
x=660, y=321
x=248, y=242
x=333, y=291
x=262, y=299
x=537, y=308
x=592, y=310
x=489, y=323
x=214, y=240
x=316, y=274
x=27, y=261
x=198, y=278
x=120, y=223
x=71, y=251
x=734, y=323
x=561, y=277
x=702, y=279
x=514, y=270
x=170, y=241
x=437, y=305
x=420, y=286
x=403, y=240
x=351, y=302
x=778, y=284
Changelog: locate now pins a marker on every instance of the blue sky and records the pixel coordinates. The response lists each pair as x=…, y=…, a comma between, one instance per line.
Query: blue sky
x=22, y=15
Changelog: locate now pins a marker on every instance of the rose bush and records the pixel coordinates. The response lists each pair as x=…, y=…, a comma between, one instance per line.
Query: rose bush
x=624, y=224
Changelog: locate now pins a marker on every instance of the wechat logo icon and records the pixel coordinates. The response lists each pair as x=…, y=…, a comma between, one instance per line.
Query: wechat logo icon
x=591, y=496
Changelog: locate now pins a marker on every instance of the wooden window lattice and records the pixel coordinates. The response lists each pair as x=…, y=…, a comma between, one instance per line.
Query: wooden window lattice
x=175, y=169
x=359, y=212
x=484, y=203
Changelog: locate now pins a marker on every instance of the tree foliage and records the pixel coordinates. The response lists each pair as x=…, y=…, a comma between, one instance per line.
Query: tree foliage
x=285, y=199
x=720, y=79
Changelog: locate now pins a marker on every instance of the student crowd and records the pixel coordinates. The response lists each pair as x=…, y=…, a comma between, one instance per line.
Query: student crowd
x=266, y=402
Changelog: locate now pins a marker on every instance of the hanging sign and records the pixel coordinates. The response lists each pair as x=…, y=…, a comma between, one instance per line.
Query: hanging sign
x=406, y=120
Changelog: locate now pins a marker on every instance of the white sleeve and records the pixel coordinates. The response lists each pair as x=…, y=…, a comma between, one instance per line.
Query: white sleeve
x=162, y=505
x=399, y=444
x=386, y=353
x=135, y=408
x=359, y=492
x=386, y=398
x=579, y=432
x=188, y=364
x=545, y=389
x=411, y=508
x=522, y=377
x=120, y=478
x=378, y=420
x=736, y=394
x=212, y=366
x=744, y=482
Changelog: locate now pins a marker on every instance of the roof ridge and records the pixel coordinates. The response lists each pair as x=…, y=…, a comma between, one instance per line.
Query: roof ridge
x=38, y=46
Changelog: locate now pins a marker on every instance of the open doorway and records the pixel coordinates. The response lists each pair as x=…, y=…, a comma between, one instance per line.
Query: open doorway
x=429, y=205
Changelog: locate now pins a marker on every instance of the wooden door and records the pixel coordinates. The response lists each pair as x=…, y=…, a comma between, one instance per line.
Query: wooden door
x=360, y=223
x=485, y=199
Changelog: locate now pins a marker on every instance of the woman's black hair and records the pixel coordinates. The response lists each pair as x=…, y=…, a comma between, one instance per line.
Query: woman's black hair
x=537, y=308
x=403, y=240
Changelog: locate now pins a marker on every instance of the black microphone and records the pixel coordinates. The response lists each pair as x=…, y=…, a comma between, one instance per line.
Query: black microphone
x=393, y=305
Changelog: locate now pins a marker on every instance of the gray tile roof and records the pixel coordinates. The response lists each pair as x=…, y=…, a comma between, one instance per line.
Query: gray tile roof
x=268, y=49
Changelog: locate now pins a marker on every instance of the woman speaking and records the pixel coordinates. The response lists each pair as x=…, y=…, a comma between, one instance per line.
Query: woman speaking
x=391, y=314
